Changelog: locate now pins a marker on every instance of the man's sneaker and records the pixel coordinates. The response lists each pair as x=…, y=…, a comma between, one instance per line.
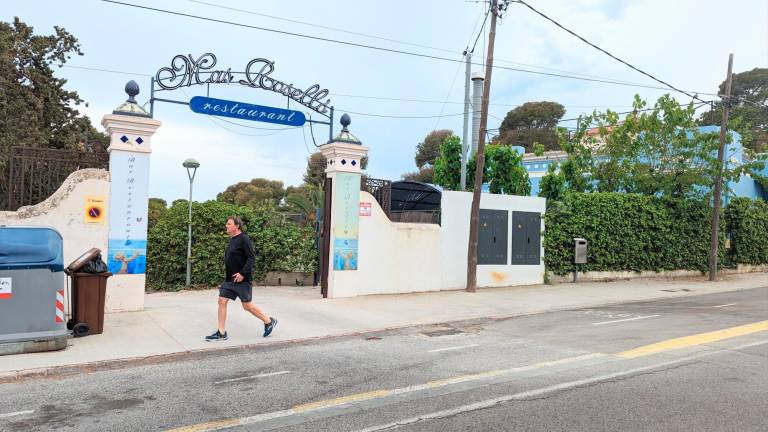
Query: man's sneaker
x=217, y=336
x=269, y=327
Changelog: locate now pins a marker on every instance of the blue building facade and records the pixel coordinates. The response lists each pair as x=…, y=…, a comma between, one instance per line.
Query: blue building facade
x=746, y=186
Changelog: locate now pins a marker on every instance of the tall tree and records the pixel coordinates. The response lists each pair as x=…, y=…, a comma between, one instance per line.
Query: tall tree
x=749, y=95
x=157, y=208
x=35, y=108
x=531, y=122
x=424, y=175
x=257, y=192
x=428, y=150
x=448, y=164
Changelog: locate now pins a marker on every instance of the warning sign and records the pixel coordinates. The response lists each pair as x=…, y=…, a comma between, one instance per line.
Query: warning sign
x=365, y=209
x=95, y=210
x=5, y=288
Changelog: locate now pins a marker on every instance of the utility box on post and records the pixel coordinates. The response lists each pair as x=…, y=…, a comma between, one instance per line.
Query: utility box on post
x=579, y=251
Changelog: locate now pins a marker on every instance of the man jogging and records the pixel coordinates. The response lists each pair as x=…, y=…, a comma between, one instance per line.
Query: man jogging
x=238, y=259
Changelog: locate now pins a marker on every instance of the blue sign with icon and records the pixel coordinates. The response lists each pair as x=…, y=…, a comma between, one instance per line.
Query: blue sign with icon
x=244, y=111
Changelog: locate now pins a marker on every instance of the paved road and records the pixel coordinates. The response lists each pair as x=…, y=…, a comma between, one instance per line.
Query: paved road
x=695, y=363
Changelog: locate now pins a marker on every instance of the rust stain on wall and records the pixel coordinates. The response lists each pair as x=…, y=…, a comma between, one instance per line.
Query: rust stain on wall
x=498, y=276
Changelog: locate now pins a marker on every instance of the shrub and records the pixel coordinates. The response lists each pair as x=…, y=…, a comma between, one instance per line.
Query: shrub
x=280, y=245
x=628, y=232
x=746, y=222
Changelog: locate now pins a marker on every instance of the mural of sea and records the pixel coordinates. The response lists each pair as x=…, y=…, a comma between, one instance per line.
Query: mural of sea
x=127, y=256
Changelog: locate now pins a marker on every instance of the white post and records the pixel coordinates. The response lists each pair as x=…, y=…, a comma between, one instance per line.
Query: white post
x=130, y=132
x=343, y=156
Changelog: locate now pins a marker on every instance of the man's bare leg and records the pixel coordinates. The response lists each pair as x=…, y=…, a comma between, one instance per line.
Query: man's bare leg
x=223, y=314
x=255, y=311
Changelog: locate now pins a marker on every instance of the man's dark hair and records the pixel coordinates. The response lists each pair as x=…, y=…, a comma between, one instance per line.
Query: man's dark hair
x=238, y=222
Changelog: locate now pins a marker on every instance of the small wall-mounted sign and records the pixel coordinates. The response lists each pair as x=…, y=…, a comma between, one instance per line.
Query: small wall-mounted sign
x=244, y=111
x=6, y=285
x=365, y=209
x=95, y=210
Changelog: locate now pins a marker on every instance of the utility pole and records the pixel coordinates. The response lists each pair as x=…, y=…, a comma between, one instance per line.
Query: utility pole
x=719, y=177
x=465, y=138
x=475, y=212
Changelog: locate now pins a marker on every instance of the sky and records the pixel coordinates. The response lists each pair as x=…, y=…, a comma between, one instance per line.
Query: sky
x=683, y=42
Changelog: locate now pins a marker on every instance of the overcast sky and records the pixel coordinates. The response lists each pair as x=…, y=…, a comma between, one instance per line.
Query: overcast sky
x=683, y=42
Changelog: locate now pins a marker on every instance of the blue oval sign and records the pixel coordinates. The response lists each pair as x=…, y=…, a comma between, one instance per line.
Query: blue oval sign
x=244, y=111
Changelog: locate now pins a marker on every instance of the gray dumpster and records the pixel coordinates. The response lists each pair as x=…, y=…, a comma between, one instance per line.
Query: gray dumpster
x=32, y=290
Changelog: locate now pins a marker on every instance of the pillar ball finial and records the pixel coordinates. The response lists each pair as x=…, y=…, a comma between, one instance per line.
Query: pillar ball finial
x=345, y=121
x=132, y=88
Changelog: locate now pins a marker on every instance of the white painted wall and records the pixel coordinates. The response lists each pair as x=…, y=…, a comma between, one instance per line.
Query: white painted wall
x=411, y=257
x=65, y=211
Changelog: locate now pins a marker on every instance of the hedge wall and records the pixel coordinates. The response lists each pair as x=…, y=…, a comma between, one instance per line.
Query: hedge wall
x=280, y=245
x=747, y=224
x=628, y=232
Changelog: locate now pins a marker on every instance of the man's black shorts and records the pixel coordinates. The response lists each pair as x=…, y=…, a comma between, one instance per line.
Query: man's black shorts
x=232, y=291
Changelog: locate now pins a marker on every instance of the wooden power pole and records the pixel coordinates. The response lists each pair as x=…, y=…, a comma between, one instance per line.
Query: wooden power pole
x=475, y=212
x=719, y=176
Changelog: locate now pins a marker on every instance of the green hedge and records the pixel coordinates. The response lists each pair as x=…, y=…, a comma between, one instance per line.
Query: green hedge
x=747, y=224
x=628, y=232
x=280, y=245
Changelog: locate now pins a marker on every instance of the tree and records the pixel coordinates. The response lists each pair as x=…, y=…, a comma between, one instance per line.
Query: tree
x=35, y=109
x=508, y=176
x=257, y=192
x=424, y=175
x=531, y=122
x=157, y=207
x=553, y=186
x=428, y=150
x=448, y=164
x=749, y=95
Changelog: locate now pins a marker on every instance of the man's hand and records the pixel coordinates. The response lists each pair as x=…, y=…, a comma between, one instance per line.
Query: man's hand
x=237, y=277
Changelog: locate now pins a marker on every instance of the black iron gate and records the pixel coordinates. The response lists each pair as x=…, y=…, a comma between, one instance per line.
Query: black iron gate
x=34, y=174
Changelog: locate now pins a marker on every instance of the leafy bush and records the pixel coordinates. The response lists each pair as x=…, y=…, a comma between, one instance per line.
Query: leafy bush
x=628, y=232
x=280, y=245
x=746, y=221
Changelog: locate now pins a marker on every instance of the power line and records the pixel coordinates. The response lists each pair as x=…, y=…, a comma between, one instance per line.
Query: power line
x=395, y=51
x=606, y=52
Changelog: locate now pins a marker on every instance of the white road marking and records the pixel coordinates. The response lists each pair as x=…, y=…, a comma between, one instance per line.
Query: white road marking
x=725, y=305
x=542, y=391
x=452, y=348
x=252, y=377
x=17, y=413
x=625, y=320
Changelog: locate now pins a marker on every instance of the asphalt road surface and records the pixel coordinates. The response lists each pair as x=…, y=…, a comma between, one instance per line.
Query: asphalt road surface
x=687, y=364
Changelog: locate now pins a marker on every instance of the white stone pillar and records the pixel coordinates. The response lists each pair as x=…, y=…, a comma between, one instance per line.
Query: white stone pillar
x=344, y=155
x=130, y=131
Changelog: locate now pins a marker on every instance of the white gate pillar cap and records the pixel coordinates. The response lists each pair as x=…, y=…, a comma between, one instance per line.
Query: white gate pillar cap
x=130, y=128
x=345, y=152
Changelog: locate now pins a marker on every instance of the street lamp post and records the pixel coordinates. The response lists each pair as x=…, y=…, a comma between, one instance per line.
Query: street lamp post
x=190, y=164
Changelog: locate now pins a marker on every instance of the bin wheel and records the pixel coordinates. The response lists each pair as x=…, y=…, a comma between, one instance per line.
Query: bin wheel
x=81, y=329
x=70, y=324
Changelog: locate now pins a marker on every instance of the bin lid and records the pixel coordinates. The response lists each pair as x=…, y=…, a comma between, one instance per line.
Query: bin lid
x=31, y=247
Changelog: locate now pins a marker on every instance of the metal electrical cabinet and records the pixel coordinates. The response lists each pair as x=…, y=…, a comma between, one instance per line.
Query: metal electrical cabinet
x=32, y=285
x=526, y=238
x=492, y=234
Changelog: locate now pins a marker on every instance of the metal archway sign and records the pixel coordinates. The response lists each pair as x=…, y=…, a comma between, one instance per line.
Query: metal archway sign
x=187, y=71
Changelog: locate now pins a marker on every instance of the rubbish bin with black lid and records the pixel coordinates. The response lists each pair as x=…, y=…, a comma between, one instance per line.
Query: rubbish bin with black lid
x=32, y=285
x=89, y=290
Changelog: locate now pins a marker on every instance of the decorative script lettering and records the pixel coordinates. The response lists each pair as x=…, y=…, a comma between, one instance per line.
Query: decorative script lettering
x=187, y=71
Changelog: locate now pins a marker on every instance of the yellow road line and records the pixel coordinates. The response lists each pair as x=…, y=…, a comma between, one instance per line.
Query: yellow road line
x=341, y=401
x=209, y=426
x=693, y=340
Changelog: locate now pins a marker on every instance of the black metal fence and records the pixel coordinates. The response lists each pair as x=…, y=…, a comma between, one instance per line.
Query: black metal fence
x=380, y=189
x=34, y=174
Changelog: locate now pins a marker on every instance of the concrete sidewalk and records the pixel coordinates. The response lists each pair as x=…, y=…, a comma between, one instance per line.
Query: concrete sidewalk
x=175, y=323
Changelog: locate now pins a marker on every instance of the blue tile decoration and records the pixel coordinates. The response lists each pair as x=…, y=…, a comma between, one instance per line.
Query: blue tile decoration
x=343, y=161
x=124, y=138
x=139, y=140
x=354, y=163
